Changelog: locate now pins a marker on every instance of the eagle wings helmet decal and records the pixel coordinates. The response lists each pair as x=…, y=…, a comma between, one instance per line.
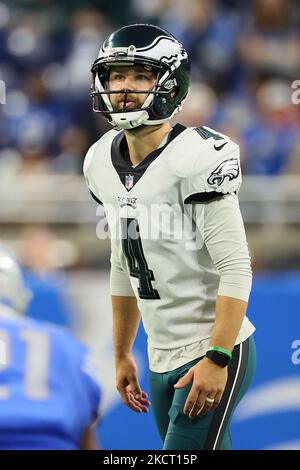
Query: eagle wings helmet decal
x=228, y=169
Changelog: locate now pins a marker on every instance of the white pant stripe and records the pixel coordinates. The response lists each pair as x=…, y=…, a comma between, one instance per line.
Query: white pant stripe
x=230, y=396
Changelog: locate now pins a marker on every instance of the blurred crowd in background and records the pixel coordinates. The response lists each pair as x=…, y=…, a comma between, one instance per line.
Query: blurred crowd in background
x=245, y=54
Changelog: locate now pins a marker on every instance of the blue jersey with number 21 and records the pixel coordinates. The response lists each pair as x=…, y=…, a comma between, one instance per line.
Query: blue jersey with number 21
x=49, y=393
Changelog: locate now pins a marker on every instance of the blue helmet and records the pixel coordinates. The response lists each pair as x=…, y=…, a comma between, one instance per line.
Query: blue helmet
x=12, y=287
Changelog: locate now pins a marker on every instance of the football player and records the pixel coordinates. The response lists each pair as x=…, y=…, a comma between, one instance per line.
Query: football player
x=179, y=257
x=49, y=391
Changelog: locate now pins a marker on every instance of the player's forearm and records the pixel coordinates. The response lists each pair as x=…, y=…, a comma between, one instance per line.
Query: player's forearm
x=126, y=320
x=230, y=313
x=89, y=440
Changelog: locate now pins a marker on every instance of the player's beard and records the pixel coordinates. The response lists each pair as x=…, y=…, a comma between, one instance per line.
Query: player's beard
x=122, y=102
x=137, y=106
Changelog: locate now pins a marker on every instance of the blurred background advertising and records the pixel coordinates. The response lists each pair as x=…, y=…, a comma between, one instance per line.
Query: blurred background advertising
x=245, y=58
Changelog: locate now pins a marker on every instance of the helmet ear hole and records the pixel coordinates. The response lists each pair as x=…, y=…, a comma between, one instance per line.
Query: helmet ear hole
x=174, y=92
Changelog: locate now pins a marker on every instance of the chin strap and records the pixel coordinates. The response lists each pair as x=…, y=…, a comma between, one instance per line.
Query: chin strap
x=129, y=120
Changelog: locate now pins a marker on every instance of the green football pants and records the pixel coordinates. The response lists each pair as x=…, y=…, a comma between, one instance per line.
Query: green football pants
x=211, y=431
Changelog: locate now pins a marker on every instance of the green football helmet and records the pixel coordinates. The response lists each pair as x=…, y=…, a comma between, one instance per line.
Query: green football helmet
x=155, y=49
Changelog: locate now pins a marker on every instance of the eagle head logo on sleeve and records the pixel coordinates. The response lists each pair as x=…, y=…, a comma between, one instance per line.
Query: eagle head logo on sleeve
x=228, y=169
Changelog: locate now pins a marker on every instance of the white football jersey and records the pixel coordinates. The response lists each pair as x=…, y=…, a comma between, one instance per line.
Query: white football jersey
x=153, y=236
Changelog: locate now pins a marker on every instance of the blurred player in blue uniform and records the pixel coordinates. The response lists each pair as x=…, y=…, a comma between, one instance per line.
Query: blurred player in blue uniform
x=49, y=392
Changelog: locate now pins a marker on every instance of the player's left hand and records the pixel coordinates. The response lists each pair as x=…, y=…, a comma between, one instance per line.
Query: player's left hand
x=209, y=381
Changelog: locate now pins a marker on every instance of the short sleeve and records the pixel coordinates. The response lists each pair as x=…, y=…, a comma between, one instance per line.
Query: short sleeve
x=88, y=173
x=216, y=171
x=119, y=278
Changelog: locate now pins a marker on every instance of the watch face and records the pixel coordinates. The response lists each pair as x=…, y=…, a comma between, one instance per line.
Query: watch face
x=218, y=358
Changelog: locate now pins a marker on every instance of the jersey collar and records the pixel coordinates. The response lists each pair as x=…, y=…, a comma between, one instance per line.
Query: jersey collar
x=129, y=175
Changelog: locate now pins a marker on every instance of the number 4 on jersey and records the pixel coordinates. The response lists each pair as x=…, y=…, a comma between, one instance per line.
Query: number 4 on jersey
x=138, y=267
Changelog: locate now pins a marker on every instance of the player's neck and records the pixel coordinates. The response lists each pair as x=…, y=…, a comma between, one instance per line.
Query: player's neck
x=143, y=140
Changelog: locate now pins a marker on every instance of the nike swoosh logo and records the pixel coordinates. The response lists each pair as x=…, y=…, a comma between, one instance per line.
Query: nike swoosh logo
x=221, y=146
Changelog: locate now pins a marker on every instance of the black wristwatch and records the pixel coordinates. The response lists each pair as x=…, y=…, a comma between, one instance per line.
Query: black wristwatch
x=218, y=358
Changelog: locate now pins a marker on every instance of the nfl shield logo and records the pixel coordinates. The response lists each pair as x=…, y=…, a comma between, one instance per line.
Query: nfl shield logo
x=128, y=181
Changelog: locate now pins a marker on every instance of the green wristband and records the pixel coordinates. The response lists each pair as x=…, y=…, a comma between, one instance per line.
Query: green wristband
x=221, y=350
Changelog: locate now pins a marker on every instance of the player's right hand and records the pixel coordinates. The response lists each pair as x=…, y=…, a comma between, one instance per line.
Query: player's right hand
x=128, y=386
